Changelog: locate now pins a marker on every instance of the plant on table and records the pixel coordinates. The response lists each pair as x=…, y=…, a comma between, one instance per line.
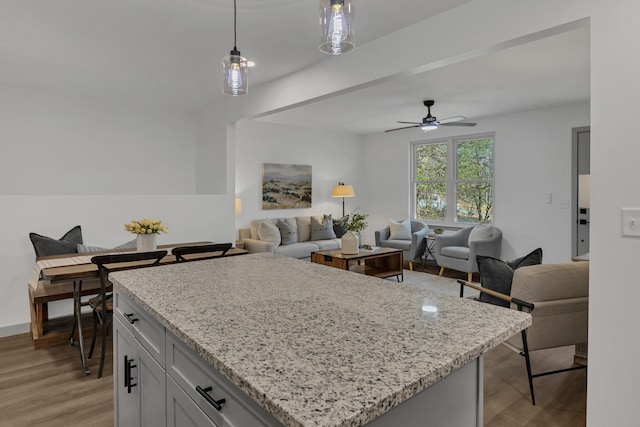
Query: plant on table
x=357, y=222
x=146, y=226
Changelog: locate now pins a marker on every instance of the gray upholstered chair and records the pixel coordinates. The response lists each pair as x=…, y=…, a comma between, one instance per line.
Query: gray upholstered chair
x=412, y=248
x=454, y=250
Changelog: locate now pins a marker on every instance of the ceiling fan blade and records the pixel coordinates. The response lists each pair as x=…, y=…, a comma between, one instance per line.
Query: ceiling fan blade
x=469, y=124
x=410, y=123
x=405, y=127
x=452, y=119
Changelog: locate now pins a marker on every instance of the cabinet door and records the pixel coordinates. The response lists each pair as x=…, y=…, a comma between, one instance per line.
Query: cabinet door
x=126, y=399
x=152, y=384
x=139, y=383
x=182, y=411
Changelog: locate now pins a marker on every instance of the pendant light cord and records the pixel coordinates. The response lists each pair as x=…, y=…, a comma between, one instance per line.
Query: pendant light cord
x=234, y=26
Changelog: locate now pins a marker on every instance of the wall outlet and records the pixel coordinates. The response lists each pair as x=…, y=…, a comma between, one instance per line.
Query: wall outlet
x=563, y=203
x=631, y=221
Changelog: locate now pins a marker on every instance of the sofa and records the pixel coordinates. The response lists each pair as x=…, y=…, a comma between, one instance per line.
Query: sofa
x=296, y=238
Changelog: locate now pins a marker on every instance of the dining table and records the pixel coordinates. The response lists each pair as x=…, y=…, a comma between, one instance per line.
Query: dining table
x=52, y=271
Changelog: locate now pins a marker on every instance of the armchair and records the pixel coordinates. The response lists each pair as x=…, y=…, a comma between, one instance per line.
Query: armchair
x=557, y=296
x=411, y=248
x=456, y=252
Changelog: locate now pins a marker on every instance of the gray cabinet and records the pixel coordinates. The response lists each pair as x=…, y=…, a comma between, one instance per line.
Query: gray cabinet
x=189, y=392
x=139, y=382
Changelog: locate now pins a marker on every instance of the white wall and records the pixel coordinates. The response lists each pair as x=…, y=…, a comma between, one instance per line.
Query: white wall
x=333, y=157
x=69, y=161
x=54, y=144
x=530, y=161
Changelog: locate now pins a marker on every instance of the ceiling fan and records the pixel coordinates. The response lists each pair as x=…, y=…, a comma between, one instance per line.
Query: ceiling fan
x=430, y=122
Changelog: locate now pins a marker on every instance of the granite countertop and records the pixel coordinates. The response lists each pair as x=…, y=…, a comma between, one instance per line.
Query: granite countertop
x=315, y=345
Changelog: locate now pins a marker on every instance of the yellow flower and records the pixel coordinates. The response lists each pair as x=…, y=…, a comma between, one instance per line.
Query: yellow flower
x=146, y=226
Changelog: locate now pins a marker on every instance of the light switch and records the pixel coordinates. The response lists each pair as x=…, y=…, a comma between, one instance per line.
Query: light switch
x=631, y=222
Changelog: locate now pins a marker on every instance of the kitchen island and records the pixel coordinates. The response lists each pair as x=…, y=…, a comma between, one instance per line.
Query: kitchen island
x=279, y=341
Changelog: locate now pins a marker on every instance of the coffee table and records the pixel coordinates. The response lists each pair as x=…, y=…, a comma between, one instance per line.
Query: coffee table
x=381, y=262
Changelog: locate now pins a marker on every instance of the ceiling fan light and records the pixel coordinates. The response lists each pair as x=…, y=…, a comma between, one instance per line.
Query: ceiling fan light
x=429, y=126
x=336, y=26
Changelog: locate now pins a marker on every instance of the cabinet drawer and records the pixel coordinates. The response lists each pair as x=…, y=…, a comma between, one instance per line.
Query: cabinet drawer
x=182, y=411
x=189, y=371
x=147, y=330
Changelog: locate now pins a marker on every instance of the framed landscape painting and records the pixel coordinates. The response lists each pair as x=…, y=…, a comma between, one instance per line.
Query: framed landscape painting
x=286, y=186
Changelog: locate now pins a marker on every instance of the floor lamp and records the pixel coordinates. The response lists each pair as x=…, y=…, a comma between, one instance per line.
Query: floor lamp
x=343, y=191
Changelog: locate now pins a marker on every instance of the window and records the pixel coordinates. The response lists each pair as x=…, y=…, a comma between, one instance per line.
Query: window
x=458, y=169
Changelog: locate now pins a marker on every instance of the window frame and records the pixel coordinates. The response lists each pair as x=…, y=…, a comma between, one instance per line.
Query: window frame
x=451, y=181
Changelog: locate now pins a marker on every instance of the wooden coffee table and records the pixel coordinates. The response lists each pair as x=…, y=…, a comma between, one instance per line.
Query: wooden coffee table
x=381, y=262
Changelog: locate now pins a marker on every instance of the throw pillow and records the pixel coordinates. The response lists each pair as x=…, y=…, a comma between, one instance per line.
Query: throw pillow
x=288, y=233
x=85, y=248
x=497, y=275
x=400, y=230
x=322, y=228
x=67, y=244
x=268, y=232
x=480, y=232
x=340, y=226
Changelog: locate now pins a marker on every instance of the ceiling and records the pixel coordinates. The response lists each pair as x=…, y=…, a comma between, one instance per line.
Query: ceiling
x=167, y=53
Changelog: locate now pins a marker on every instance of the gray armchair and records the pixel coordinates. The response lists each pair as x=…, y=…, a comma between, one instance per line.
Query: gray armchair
x=454, y=251
x=413, y=248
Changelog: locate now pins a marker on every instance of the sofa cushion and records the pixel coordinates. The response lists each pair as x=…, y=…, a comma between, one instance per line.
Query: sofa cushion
x=288, y=232
x=297, y=250
x=480, y=232
x=339, y=226
x=67, y=244
x=128, y=245
x=405, y=245
x=400, y=230
x=253, y=228
x=322, y=228
x=460, y=252
x=497, y=275
x=268, y=232
x=324, y=245
x=303, y=224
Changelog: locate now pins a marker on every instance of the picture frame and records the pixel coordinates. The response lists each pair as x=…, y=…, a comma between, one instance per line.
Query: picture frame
x=286, y=186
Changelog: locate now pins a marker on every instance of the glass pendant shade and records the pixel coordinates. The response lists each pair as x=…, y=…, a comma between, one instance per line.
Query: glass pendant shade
x=235, y=81
x=336, y=26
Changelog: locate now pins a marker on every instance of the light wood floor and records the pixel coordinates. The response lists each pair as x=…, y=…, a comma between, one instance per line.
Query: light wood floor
x=46, y=387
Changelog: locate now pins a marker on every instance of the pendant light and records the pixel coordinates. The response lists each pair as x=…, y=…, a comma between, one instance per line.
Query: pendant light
x=235, y=68
x=336, y=26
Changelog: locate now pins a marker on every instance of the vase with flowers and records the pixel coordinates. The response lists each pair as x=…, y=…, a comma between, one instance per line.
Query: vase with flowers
x=351, y=239
x=146, y=231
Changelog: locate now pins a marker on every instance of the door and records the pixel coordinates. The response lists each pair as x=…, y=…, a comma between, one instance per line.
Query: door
x=582, y=189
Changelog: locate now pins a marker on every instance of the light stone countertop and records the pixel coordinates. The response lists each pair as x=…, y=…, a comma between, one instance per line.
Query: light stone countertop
x=315, y=345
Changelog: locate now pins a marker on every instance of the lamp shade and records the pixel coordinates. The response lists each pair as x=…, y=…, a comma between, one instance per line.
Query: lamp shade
x=342, y=190
x=238, y=207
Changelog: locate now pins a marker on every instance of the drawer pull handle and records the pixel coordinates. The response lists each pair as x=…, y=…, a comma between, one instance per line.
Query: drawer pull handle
x=204, y=392
x=130, y=318
x=127, y=374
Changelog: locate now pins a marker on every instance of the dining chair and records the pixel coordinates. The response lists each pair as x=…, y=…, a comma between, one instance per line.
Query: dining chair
x=217, y=250
x=102, y=305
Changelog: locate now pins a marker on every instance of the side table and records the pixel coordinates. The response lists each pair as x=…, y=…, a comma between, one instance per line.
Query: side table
x=240, y=244
x=429, y=254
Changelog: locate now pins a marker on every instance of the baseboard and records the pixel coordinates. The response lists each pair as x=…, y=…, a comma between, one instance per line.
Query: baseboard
x=7, y=331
